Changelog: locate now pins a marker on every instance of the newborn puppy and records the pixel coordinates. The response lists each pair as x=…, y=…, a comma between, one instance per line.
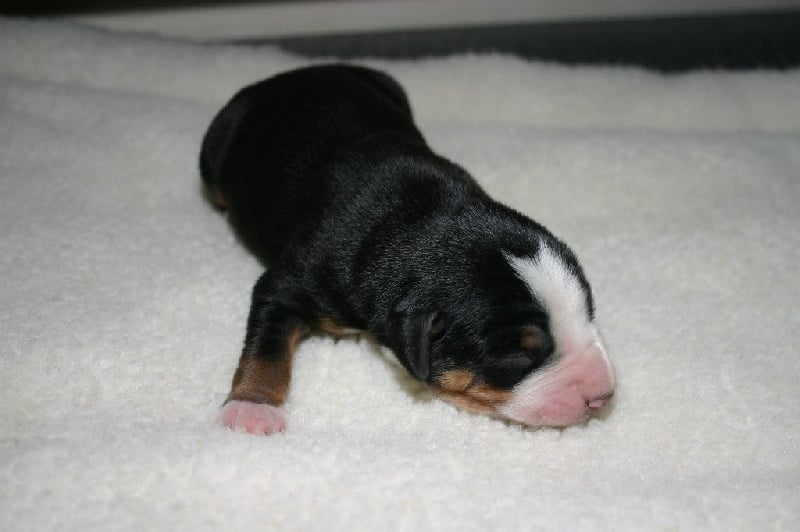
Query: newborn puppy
x=326, y=178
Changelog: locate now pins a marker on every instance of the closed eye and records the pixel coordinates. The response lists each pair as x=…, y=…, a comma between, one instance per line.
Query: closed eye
x=507, y=371
x=438, y=326
x=519, y=363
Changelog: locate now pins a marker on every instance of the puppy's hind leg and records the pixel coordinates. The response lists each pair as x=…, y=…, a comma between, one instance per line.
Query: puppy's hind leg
x=261, y=382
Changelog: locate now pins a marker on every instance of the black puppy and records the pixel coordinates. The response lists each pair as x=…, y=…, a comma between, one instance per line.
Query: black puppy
x=326, y=178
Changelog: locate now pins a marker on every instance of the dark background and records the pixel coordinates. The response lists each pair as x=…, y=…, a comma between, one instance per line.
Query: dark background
x=767, y=40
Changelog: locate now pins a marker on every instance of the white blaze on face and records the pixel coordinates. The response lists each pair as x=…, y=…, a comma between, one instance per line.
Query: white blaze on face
x=579, y=380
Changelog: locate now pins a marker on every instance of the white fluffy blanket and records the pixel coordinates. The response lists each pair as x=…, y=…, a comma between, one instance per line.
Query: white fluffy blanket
x=124, y=298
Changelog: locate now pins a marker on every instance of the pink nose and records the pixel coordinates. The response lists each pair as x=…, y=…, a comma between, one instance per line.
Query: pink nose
x=580, y=383
x=598, y=403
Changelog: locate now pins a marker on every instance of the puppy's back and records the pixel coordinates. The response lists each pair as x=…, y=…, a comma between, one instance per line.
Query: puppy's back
x=265, y=153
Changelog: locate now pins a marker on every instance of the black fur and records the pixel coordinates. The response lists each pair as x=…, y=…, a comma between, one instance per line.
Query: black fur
x=329, y=182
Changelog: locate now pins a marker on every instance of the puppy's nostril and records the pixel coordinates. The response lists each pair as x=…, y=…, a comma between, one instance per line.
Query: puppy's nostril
x=599, y=402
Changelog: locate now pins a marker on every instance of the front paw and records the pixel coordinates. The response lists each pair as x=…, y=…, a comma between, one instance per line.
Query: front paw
x=254, y=418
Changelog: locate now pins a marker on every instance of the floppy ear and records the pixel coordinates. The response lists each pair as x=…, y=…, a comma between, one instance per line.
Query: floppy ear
x=412, y=336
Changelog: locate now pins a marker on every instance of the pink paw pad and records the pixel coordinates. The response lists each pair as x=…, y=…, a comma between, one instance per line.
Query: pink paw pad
x=253, y=417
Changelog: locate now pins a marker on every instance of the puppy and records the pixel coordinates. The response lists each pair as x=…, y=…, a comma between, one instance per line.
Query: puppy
x=326, y=178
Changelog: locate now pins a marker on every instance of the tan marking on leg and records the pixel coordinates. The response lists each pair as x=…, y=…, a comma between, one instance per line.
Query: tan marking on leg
x=297, y=334
x=216, y=197
x=264, y=380
x=261, y=381
x=328, y=326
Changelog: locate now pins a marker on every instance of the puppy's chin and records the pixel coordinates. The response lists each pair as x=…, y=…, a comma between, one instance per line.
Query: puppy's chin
x=478, y=403
x=556, y=414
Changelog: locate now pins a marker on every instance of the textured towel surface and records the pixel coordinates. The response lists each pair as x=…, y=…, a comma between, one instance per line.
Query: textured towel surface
x=124, y=298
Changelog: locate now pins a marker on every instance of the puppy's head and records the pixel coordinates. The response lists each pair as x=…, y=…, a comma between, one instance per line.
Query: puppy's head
x=513, y=338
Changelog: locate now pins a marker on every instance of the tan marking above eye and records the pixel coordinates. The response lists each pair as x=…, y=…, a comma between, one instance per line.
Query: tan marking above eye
x=531, y=338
